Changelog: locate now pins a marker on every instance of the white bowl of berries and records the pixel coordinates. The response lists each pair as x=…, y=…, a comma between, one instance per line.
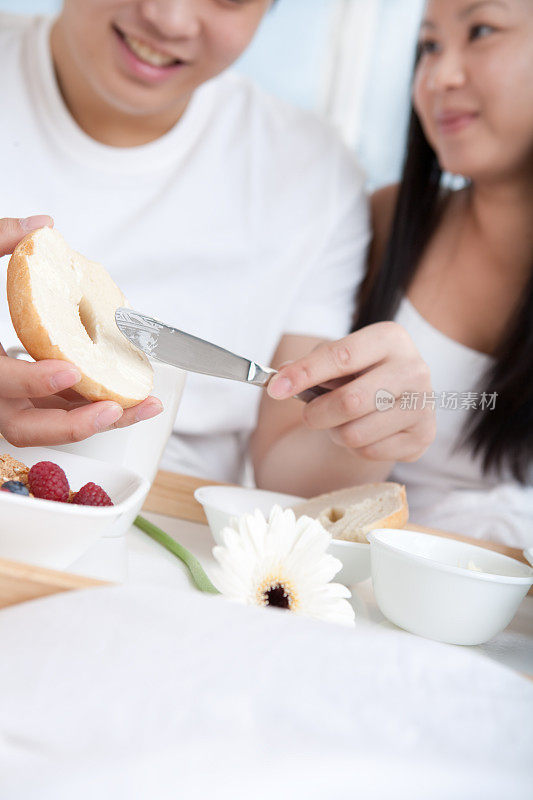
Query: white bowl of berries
x=54, y=505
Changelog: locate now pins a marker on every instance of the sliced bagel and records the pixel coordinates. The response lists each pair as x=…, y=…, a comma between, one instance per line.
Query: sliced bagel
x=350, y=514
x=63, y=306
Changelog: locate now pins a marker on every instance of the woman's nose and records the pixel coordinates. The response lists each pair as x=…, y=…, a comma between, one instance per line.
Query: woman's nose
x=173, y=19
x=447, y=72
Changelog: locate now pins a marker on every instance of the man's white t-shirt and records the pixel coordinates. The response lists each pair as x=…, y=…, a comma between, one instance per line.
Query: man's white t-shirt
x=244, y=222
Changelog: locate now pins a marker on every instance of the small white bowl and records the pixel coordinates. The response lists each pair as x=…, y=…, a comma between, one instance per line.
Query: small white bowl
x=355, y=557
x=221, y=503
x=52, y=534
x=424, y=584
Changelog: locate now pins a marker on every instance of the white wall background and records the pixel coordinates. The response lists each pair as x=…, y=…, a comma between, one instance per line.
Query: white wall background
x=348, y=60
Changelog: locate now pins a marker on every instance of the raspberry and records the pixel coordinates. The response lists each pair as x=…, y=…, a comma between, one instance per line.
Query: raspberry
x=48, y=481
x=92, y=495
x=15, y=487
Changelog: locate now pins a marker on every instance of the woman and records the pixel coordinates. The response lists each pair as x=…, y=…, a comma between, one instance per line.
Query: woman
x=455, y=268
x=217, y=209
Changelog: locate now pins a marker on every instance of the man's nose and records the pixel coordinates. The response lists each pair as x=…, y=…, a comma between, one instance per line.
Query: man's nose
x=173, y=19
x=447, y=72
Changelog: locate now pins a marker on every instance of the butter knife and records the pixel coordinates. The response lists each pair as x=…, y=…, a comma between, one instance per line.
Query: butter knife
x=172, y=346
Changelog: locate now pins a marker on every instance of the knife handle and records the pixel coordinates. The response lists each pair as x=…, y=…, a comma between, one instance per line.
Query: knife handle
x=312, y=393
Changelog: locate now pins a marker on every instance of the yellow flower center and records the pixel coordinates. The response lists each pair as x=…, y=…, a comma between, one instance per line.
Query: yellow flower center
x=275, y=591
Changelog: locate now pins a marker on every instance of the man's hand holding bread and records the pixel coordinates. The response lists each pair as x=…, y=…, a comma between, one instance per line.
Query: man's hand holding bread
x=35, y=409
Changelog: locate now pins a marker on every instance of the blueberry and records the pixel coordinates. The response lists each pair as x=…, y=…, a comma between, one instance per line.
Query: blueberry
x=16, y=487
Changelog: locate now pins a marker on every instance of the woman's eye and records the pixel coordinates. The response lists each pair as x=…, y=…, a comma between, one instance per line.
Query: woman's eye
x=427, y=46
x=481, y=31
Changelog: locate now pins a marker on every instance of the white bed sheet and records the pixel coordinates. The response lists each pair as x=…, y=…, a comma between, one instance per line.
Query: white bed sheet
x=151, y=690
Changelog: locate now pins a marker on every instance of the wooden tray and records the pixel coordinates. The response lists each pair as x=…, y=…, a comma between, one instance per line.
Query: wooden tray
x=172, y=495
x=20, y=582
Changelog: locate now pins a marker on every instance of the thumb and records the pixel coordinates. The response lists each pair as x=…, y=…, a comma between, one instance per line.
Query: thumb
x=12, y=230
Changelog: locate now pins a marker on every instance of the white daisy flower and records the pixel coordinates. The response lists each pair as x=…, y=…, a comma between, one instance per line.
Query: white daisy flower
x=281, y=562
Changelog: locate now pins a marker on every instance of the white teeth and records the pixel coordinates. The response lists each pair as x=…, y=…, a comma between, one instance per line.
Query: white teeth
x=146, y=53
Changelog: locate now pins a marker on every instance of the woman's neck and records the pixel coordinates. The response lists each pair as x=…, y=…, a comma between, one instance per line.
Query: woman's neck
x=502, y=214
x=99, y=119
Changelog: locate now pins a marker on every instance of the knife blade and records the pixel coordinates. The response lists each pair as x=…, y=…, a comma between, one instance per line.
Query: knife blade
x=173, y=346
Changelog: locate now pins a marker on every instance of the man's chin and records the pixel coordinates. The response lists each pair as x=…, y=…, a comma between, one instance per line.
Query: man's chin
x=137, y=100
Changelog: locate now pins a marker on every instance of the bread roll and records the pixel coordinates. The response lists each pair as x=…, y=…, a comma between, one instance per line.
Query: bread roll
x=63, y=306
x=350, y=514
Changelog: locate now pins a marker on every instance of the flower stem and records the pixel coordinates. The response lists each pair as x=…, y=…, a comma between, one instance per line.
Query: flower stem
x=200, y=579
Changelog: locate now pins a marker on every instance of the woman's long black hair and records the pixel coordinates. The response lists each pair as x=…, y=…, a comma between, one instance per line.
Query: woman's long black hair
x=502, y=437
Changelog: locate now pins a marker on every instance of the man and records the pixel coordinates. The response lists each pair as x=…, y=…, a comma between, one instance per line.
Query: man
x=214, y=206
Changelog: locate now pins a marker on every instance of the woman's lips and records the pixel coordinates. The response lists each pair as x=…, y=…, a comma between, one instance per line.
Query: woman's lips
x=148, y=73
x=455, y=121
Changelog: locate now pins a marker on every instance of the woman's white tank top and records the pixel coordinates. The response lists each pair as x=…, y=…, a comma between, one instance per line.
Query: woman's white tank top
x=446, y=487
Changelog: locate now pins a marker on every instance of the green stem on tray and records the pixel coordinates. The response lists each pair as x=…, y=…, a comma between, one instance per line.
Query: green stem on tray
x=200, y=579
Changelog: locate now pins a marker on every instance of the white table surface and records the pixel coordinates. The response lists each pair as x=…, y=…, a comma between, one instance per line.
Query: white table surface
x=151, y=690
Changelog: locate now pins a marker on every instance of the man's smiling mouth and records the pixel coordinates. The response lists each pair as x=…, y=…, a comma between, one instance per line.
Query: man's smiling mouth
x=146, y=53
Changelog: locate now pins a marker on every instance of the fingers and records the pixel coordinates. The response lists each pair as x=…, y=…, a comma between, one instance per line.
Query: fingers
x=57, y=401
x=53, y=419
x=26, y=379
x=401, y=446
x=37, y=426
x=149, y=408
x=357, y=398
x=374, y=428
x=354, y=353
x=12, y=230
x=68, y=422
